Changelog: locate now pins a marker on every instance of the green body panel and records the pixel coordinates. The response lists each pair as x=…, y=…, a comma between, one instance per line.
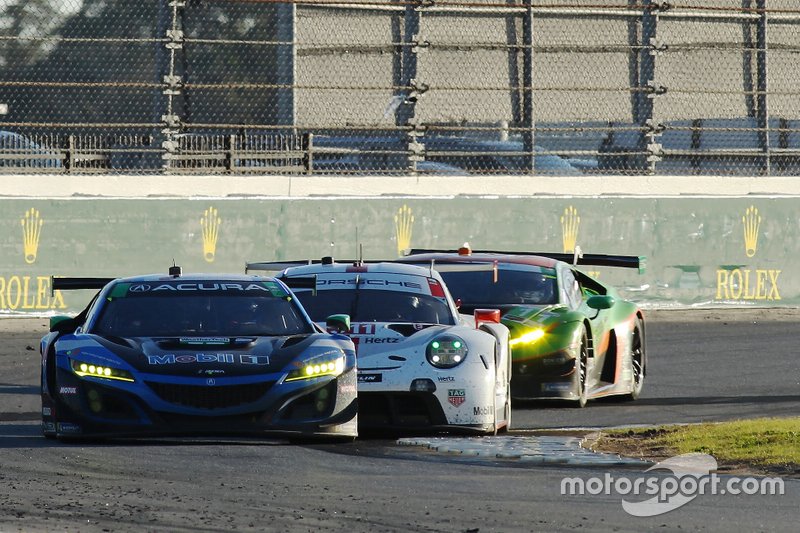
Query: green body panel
x=562, y=327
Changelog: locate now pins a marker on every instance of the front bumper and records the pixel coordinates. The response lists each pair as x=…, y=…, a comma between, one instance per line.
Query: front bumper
x=324, y=407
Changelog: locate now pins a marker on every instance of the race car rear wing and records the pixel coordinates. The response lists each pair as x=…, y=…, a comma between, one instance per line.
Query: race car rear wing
x=301, y=282
x=72, y=284
x=623, y=261
x=276, y=266
x=440, y=265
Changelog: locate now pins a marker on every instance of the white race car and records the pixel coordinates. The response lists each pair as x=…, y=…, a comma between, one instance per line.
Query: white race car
x=421, y=365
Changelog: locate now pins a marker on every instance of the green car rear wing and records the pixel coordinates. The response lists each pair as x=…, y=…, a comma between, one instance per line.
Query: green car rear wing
x=623, y=261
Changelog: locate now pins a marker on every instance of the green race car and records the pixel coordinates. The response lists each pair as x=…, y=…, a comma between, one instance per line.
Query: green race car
x=572, y=337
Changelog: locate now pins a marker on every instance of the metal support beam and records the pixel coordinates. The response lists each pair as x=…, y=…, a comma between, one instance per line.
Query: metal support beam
x=528, y=121
x=407, y=109
x=762, y=86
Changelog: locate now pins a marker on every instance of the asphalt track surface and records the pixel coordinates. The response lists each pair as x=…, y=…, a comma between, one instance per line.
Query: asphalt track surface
x=704, y=366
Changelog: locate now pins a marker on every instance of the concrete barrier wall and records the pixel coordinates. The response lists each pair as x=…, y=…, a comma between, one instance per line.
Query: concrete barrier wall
x=700, y=250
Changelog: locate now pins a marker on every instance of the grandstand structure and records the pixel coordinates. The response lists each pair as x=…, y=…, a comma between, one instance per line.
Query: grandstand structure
x=371, y=87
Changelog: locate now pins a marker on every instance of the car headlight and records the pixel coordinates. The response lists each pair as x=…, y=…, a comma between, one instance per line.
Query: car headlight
x=84, y=369
x=528, y=338
x=324, y=365
x=446, y=352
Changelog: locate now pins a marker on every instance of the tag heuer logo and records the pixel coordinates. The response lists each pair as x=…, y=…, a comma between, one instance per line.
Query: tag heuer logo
x=456, y=396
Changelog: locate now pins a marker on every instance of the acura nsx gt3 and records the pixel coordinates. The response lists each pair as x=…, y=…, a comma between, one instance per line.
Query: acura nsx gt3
x=194, y=355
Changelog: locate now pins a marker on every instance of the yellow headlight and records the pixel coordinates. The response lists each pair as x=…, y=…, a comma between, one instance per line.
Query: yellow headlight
x=528, y=338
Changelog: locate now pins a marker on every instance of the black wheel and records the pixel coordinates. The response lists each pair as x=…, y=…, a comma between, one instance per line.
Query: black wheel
x=637, y=362
x=581, y=378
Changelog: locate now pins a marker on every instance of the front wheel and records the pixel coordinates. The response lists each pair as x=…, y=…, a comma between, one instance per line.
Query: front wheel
x=583, y=361
x=637, y=363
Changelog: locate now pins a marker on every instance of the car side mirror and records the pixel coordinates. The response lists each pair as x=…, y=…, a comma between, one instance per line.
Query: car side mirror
x=60, y=323
x=338, y=324
x=600, y=301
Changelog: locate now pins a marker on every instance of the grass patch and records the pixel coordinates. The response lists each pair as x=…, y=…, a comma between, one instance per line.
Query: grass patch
x=761, y=441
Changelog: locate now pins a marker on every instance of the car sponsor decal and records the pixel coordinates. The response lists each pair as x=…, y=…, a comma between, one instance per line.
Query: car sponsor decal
x=456, y=396
x=370, y=378
x=382, y=283
x=204, y=340
x=445, y=379
x=225, y=358
x=139, y=289
x=68, y=390
x=482, y=410
x=46, y=411
x=64, y=427
x=254, y=359
x=49, y=426
x=380, y=340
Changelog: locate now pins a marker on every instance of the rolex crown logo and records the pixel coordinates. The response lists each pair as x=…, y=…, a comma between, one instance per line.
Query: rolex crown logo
x=31, y=233
x=570, y=223
x=403, y=226
x=751, y=221
x=210, y=222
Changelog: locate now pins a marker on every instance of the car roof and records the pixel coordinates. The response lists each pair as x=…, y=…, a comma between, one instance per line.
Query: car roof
x=532, y=260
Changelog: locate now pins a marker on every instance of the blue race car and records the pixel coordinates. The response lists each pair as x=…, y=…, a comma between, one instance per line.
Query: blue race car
x=195, y=355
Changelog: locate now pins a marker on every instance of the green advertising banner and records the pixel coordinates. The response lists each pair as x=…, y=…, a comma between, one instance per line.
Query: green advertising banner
x=700, y=251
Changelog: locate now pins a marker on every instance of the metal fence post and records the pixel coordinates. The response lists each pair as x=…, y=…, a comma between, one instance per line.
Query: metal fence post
x=406, y=111
x=528, y=122
x=761, y=82
x=650, y=49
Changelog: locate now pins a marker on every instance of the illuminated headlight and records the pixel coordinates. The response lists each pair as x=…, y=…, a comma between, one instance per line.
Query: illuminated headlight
x=446, y=352
x=529, y=337
x=319, y=366
x=96, y=371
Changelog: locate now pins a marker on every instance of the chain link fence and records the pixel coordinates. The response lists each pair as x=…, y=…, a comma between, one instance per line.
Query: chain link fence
x=562, y=87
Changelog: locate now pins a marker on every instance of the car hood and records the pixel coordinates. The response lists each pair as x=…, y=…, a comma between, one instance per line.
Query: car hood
x=532, y=315
x=206, y=356
x=381, y=345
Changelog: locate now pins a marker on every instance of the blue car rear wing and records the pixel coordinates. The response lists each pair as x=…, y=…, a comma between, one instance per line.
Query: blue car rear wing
x=72, y=284
x=623, y=261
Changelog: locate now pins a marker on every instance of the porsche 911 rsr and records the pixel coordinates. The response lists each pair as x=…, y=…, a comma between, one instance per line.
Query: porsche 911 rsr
x=421, y=365
x=195, y=355
x=572, y=337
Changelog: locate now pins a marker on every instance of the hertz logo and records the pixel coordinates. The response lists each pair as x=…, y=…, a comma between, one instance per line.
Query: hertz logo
x=570, y=223
x=210, y=223
x=403, y=227
x=752, y=222
x=31, y=233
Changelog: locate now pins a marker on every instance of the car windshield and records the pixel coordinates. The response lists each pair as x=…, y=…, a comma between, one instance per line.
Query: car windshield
x=533, y=286
x=200, y=313
x=371, y=305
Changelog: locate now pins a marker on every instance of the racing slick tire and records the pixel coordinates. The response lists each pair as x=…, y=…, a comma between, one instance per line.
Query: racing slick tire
x=637, y=363
x=581, y=375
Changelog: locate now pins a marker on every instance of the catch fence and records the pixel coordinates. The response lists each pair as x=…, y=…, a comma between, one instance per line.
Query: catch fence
x=561, y=87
